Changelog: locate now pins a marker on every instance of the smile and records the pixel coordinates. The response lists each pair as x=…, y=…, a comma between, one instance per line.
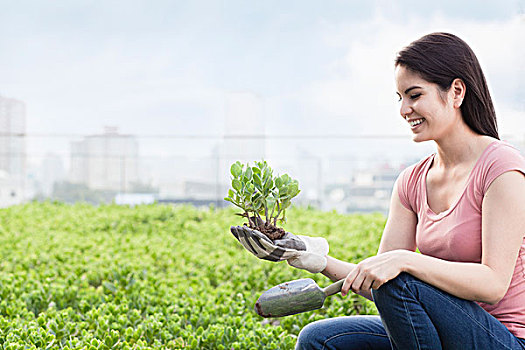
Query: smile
x=416, y=122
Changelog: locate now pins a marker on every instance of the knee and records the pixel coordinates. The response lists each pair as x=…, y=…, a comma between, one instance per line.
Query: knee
x=309, y=338
x=391, y=289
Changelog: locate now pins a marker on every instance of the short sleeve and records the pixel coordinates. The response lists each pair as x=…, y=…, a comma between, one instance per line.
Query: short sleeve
x=409, y=184
x=503, y=159
x=402, y=189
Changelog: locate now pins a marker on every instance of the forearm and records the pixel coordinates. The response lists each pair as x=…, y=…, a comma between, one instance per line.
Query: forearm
x=337, y=270
x=471, y=281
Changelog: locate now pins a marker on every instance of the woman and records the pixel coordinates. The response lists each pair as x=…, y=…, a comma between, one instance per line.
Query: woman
x=462, y=207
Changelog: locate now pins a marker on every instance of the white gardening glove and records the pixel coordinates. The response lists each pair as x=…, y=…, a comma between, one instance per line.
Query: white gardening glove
x=303, y=252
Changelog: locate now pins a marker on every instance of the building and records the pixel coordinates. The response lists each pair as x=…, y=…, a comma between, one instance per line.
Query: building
x=13, y=144
x=367, y=191
x=108, y=161
x=51, y=171
x=10, y=191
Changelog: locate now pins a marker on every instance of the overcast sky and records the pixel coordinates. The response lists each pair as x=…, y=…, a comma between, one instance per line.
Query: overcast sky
x=167, y=67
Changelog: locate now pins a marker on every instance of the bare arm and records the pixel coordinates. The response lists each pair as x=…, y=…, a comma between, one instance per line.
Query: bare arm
x=337, y=269
x=399, y=233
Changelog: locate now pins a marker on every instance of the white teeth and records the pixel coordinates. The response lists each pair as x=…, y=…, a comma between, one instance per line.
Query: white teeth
x=416, y=122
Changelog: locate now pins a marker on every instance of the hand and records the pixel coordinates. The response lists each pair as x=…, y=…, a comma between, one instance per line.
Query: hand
x=303, y=252
x=375, y=271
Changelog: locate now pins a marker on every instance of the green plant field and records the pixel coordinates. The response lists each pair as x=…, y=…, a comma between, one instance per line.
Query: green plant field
x=155, y=277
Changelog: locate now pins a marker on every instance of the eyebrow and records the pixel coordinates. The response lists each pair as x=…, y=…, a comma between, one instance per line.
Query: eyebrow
x=412, y=88
x=408, y=90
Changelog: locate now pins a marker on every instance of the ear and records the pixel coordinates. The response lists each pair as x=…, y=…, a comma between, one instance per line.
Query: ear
x=458, y=89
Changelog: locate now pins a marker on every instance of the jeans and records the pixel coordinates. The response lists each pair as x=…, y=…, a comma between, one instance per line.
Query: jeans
x=414, y=315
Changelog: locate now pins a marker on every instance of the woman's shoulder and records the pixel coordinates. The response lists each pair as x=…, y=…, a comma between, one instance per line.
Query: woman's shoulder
x=503, y=150
x=417, y=169
x=501, y=154
x=498, y=158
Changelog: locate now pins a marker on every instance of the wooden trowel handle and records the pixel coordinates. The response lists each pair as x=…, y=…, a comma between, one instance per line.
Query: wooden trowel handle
x=334, y=288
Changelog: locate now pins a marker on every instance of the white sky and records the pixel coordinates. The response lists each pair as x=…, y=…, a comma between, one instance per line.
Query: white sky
x=167, y=67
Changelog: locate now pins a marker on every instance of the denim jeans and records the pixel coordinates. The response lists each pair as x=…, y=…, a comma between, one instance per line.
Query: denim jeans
x=414, y=315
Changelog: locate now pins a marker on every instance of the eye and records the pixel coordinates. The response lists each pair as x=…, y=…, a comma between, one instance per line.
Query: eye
x=415, y=96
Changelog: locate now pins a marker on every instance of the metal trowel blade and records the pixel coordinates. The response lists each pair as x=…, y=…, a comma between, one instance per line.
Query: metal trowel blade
x=290, y=298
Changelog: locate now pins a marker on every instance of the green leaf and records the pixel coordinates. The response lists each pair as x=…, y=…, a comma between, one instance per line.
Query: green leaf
x=268, y=185
x=256, y=196
x=236, y=169
x=248, y=173
x=270, y=203
x=236, y=184
x=262, y=164
x=266, y=175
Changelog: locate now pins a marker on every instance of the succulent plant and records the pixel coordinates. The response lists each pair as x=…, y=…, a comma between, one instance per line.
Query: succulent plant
x=263, y=197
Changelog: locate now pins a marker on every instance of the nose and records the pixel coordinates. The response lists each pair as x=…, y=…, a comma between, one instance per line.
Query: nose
x=405, y=109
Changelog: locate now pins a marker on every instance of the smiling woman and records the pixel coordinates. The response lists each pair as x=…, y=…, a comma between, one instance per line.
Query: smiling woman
x=431, y=112
x=462, y=207
x=447, y=62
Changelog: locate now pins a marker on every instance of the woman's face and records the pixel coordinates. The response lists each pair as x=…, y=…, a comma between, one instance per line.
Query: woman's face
x=428, y=110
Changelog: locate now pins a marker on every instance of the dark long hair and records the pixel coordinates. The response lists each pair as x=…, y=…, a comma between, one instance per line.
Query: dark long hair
x=440, y=58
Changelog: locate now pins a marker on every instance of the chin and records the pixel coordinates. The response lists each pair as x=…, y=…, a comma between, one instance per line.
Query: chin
x=418, y=139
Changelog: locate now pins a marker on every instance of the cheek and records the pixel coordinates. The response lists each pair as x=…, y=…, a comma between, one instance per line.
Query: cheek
x=440, y=113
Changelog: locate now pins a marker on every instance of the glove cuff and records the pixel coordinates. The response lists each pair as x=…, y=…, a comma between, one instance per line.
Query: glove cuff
x=315, y=245
x=310, y=262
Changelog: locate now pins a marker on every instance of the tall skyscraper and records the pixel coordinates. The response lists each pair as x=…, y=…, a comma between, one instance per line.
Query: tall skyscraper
x=12, y=142
x=108, y=161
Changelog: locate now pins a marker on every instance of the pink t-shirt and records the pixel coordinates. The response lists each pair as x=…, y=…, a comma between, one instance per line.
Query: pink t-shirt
x=455, y=234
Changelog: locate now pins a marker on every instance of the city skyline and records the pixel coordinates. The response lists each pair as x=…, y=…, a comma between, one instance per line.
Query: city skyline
x=107, y=166
x=312, y=84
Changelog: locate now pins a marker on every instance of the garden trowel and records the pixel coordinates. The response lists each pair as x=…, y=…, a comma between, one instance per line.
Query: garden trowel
x=294, y=297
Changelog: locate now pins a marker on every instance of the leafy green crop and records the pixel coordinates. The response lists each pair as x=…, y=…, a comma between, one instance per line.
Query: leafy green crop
x=258, y=193
x=155, y=277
